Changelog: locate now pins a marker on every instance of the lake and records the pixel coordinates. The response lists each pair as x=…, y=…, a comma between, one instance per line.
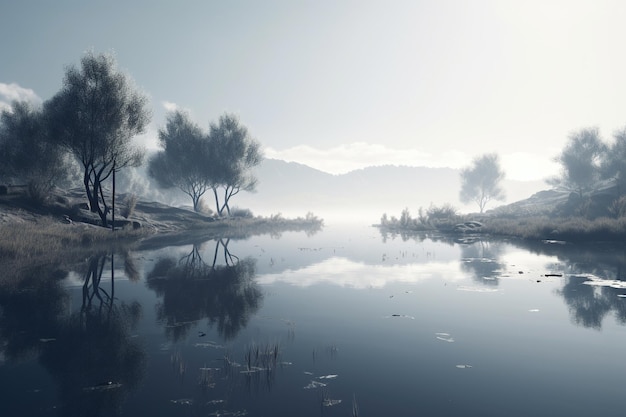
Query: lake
x=343, y=322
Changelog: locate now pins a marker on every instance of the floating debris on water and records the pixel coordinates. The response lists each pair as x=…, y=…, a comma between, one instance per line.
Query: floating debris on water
x=315, y=384
x=182, y=401
x=476, y=289
x=611, y=283
x=253, y=369
x=103, y=387
x=210, y=344
x=327, y=402
x=229, y=413
x=213, y=402
x=401, y=316
x=446, y=337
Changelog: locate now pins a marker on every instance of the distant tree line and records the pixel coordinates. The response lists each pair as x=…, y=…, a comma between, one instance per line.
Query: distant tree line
x=589, y=167
x=88, y=128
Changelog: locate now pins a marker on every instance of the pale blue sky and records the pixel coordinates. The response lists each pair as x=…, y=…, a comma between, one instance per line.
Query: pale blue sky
x=341, y=84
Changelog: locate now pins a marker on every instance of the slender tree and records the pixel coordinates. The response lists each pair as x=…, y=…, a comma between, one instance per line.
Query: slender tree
x=95, y=116
x=186, y=160
x=237, y=153
x=481, y=181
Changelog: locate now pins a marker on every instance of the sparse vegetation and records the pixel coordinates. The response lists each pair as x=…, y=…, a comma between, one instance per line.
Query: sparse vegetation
x=26, y=246
x=129, y=205
x=433, y=218
x=567, y=229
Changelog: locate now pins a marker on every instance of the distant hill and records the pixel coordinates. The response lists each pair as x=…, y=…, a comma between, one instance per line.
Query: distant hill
x=364, y=194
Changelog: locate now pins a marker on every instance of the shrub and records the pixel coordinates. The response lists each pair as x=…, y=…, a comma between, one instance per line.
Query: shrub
x=241, y=213
x=129, y=205
x=618, y=207
x=204, y=208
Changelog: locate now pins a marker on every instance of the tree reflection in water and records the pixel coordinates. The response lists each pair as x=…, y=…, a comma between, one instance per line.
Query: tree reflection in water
x=191, y=290
x=589, y=305
x=89, y=353
x=481, y=259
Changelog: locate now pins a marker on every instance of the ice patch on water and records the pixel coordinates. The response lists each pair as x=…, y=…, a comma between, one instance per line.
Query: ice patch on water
x=464, y=366
x=611, y=283
x=476, y=289
x=103, y=387
x=182, y=401
x=534, y=310
x=446, y=337
x=315, y=384
x=210, y=344
x=329, y=403
x=328, y=376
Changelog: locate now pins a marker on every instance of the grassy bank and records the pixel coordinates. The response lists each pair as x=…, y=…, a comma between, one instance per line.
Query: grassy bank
x=572, y=229
x=27, y=246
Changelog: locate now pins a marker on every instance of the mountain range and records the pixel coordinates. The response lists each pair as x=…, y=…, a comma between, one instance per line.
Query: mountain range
x=294, y=189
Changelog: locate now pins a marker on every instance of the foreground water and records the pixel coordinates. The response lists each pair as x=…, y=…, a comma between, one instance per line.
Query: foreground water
x=345, y=322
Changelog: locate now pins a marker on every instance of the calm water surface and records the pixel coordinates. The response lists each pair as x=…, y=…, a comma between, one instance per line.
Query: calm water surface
x=298, y=325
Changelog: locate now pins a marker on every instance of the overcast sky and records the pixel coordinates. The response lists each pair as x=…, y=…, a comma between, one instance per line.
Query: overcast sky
x=343, y=84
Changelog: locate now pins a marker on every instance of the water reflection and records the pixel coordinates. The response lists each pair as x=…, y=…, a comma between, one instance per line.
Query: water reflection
x=90, y=353
x=481, y=259
x=192, y=290
x=31, y=312
x=593, y=280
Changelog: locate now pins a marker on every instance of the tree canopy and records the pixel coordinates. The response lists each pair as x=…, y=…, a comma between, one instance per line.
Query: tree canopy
x=480, y=182
x=236, y=154
x=95, y=116
x=186, y=161
x=27, y=153
x=195, y=161
x=614, y=163
x=580, y=161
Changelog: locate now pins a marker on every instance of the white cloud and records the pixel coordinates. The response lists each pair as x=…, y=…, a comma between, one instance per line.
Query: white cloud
x=13, y=92
x=169, y=106
x=346, y=273
x=348, y=157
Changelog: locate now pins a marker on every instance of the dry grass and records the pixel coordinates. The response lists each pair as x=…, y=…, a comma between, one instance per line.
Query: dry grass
x=26, y=246
x=570, y=229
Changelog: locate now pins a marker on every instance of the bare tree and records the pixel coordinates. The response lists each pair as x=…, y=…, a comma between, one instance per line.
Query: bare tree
x=95, y=116
x=186, y=161
x=481, y=181
x=236, y=154
x=580, y=161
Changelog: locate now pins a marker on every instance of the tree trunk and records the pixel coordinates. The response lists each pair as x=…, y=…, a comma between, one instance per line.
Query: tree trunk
x=217, y=202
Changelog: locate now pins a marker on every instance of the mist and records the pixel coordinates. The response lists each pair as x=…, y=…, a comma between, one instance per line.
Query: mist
x=359, y=196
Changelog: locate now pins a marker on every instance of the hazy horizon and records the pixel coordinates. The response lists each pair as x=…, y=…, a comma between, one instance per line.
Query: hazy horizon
x=343, y=85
